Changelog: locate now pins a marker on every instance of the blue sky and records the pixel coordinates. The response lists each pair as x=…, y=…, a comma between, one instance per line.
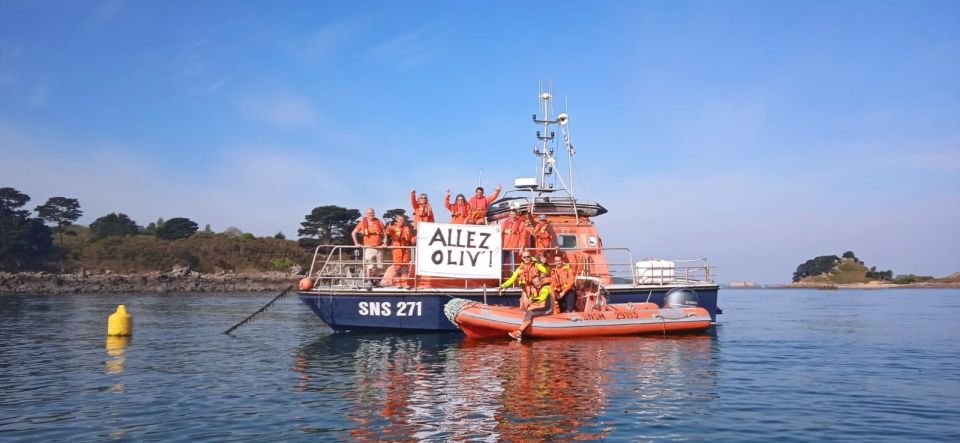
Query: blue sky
x=756, y=134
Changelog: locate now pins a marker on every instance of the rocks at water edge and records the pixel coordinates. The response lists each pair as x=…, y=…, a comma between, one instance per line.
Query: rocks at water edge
x=179, y=279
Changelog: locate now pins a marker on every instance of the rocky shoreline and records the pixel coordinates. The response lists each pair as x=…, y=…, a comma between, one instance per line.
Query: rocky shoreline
x=180, y=279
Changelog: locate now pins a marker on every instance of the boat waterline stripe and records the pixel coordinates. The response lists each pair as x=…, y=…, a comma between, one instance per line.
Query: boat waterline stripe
x=586, y=323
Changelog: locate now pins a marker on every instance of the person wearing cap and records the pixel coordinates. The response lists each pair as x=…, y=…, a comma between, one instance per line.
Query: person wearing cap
x=524, y=275
x=401, y=238
x=561, y=280
x=541, y=304
x=543, y=235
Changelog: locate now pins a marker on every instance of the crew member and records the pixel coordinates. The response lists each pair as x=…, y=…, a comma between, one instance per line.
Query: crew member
x=523, y=276
x=459, y=210
x=561, y=280
x=541, y=304
x=543, y=236
x=478, y=205
x=422, y=210
x=401, y=238
x=371, y=230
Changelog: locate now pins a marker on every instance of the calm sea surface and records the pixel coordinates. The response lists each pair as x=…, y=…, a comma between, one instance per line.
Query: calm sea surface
x=789, y=365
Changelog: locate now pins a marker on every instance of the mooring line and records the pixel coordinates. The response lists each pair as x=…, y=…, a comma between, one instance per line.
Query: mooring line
x=259, y=311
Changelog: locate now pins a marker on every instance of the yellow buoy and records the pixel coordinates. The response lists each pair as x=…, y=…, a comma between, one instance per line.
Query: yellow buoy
x=120, y=323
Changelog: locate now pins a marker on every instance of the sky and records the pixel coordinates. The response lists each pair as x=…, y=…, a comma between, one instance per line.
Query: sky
x=757, y=135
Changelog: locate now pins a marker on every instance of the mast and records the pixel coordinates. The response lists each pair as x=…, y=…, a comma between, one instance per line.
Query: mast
x=545, y=150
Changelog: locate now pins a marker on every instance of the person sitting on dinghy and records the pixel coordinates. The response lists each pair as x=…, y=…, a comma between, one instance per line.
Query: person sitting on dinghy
x=542, y=304
x=523, y=276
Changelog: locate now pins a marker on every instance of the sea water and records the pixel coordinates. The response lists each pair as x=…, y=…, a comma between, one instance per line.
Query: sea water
x=785, y=365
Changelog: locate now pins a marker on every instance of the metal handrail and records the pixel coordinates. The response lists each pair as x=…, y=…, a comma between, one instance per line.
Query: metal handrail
x=697, y=271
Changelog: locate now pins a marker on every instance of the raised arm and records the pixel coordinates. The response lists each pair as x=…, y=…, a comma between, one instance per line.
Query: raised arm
x=496, y=193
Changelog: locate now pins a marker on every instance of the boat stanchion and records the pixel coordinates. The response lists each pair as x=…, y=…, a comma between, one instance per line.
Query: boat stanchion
x=484, y=293
x=120, y=323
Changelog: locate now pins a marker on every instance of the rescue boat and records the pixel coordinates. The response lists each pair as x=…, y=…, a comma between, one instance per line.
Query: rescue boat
x=339, y=292
x=478, y=320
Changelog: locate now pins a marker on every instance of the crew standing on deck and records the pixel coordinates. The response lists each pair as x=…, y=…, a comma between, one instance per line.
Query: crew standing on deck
x=459, y=210
x=543, y=237
x=561, y=280
x=371, y=229
x=422, y=210
x=401, y=238
x=478, y=205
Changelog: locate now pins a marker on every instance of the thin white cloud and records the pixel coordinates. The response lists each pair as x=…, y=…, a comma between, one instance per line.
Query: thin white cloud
x=409, y=50
x=284, y=111
x=327, y=39
x=105, y=11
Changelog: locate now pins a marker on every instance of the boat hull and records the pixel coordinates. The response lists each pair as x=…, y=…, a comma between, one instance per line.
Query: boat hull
x=422, y=310
x=478, y=320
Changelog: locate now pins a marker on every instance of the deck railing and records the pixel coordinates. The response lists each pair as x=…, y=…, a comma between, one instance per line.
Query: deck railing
x=342, y=266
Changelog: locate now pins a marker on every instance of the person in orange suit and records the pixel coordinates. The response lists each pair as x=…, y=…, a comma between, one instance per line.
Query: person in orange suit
x=422, y=210
x=562, y=277
x=371, y=229
x=543, y=236
x=514, y=232
x=401, y=237
x=459, y=210
x=478, y=205
x=523, y=276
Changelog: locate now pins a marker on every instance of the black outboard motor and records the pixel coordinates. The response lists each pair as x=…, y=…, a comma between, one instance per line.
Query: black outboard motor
x=681, y=298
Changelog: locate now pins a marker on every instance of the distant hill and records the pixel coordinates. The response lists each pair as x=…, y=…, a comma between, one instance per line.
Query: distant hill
x=827, y=270
x=204, y=252
x=844, y=271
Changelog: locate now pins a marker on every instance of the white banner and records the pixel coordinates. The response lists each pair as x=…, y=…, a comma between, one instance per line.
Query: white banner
x=464, y=251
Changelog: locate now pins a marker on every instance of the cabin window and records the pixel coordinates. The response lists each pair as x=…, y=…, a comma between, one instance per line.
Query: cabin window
x=592, y=241
x=567, y=241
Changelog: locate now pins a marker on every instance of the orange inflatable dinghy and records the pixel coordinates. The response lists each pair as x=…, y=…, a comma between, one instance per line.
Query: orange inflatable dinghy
x=480, y=320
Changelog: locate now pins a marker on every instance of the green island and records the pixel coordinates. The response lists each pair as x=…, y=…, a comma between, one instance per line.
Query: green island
x=848, y=271
x=49, y=253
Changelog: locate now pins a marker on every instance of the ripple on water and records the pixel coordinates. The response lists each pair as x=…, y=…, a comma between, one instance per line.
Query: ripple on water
x=790, y=365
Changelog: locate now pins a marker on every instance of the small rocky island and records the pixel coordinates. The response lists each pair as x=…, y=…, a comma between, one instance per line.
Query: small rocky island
x=848, y=271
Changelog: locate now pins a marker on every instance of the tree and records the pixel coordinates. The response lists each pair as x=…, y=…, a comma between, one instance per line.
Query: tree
x=280, y=236
x=10, y=202
x=151, y=229
x=176, y=228
x=60, y=210
x=328, y=225
x=391, y=215
x=207, y=229
x=232, y=231
x=25, y=242
x=113, y=225
x=816, y=266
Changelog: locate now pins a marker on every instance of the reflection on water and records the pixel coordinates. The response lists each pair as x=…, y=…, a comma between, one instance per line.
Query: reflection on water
x=442, y=387
x=115, y=347
x=799, y=365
